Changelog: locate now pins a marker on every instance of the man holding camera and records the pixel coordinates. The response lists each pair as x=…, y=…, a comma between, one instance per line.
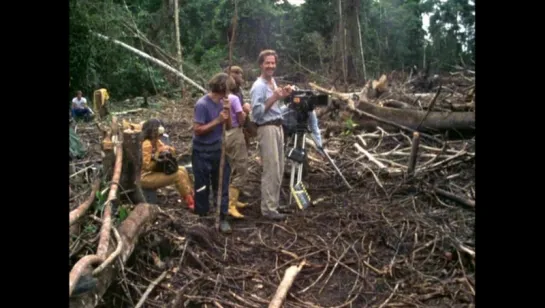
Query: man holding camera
x=267, y=115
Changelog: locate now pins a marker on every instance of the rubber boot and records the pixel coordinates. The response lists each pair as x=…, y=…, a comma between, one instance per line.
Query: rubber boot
x=241, y=205
x=233, y=199
x=182, y=185
x=225, y=227
x=245, y=193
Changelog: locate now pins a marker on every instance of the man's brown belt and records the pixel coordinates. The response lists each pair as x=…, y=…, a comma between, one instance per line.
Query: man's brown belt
x=277, y=122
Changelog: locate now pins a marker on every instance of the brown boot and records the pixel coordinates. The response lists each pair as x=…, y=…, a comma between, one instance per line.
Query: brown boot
x=233, y=201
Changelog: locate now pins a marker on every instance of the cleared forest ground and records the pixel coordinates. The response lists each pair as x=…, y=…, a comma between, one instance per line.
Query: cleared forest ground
x=389, y=242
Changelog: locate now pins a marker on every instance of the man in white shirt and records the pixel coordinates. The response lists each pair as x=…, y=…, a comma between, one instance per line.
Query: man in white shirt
x=80, y=108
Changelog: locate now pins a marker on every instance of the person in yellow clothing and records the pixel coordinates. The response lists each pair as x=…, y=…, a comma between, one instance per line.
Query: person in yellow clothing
x=151, y=178
x=100, y=99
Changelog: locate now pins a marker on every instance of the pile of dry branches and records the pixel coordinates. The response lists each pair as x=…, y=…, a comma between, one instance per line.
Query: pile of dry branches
x=403, y=236
x=391, y=241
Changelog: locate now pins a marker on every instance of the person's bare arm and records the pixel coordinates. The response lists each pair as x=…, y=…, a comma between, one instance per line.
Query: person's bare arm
x=203, y=129
x=241, y=117
x=226, y=108
x=228, y=123
x=246, y=108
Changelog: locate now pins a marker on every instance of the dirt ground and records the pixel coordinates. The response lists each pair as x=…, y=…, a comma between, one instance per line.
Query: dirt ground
x=385, y=243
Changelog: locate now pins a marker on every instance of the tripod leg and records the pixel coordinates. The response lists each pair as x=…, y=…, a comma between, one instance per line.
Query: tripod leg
x=292, y=179
x=299, y=172
x=300, y=167
x=292, y=173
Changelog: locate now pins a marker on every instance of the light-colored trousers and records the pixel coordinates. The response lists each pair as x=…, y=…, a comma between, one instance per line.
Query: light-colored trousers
x=237, y=154
x=271, y=148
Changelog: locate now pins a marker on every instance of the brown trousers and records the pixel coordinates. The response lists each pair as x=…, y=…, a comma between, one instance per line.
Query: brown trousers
x=156, y=180
x=237, y=155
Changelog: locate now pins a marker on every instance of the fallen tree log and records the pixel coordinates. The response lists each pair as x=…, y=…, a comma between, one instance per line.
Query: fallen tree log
x=285, y=285
x=129, y=232
x=368, y=115
x=104, y=239
x=435, y=122
x=152, y=59
x=82, y=266
x=78, y=212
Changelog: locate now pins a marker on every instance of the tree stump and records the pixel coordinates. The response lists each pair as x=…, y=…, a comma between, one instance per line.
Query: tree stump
x=108, y=155
x=132, y=164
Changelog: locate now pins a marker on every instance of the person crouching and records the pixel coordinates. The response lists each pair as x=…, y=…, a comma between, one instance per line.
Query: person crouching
x=208, y=122
x=154, y=177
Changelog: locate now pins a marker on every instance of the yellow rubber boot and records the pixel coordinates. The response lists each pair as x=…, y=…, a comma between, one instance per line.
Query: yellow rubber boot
x=233, y=200
x=241, y=205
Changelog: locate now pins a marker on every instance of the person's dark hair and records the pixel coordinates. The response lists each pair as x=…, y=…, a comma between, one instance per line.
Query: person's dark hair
x=221, y=83
x=265, y=53
x=150, y=128
x=234, y=69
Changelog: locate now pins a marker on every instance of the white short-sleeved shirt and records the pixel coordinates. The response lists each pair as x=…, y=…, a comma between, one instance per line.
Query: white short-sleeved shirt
x=79, y=102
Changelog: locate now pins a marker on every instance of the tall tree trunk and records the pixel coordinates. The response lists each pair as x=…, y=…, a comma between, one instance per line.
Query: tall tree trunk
x=353, y=38
x=361, y=50
x=342, y=37
x=178, y=43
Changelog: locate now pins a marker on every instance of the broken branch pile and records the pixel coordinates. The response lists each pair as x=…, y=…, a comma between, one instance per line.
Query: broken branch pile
x=381, y=155
x=92, y=274
x=403, y=236
x=391, y=239
x=442, y=111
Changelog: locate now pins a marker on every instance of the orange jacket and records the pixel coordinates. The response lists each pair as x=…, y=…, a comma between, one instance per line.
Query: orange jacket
x=148, y=164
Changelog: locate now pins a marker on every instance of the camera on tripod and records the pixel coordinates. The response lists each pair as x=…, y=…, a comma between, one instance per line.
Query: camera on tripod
x=300, y=103
x=306, y=100
x=295, y=124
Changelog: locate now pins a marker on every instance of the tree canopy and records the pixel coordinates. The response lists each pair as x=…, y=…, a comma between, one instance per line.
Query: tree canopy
x=319, y=36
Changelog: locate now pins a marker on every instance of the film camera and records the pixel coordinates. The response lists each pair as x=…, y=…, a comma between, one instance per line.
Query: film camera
x=166, y=163
x=295, y=124
x=300, y=103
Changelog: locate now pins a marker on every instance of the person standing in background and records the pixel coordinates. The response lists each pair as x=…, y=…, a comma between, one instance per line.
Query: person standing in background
x=267, y=115
x=208, y=119
x=237, y=153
